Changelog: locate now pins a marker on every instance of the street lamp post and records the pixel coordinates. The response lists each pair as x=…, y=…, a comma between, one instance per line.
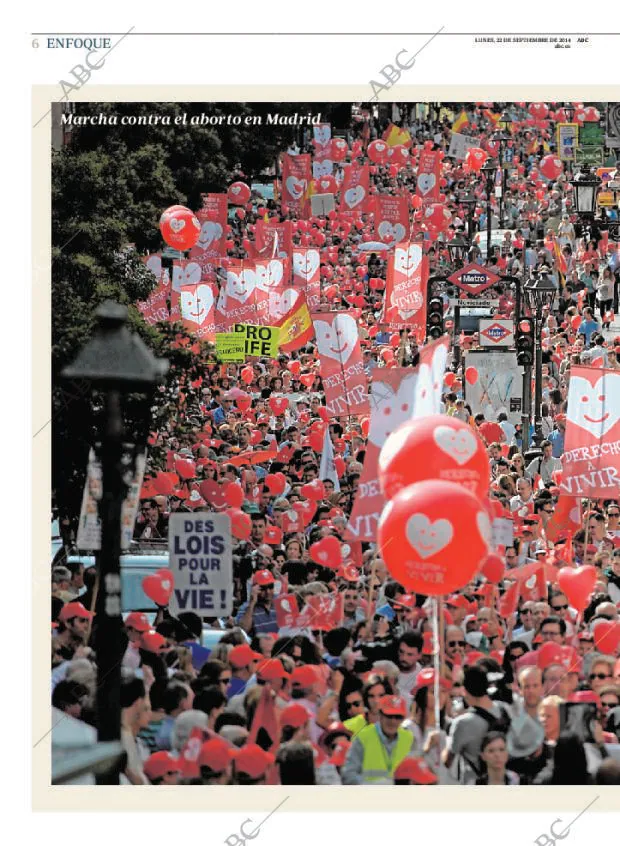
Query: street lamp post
x=489, y=171
x=538, y=292
x=458, y=248
x=470, y=202
x=116, y=363
x=501, y=137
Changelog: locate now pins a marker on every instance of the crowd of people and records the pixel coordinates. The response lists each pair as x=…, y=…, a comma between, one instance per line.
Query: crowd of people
x=524, y=699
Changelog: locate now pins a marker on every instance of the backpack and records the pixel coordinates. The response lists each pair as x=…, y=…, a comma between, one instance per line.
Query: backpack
x=462, y=769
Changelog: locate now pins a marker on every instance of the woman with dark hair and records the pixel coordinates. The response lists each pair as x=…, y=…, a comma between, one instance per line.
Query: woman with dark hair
x=422, y=722
x=494, y=757
x=295, y=760
x=570, y=765
x=514, y=651
x=351, y=701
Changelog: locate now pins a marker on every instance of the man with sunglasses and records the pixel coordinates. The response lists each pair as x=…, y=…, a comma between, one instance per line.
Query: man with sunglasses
x=613, y=520
x=378, y=749
x=552, y=629
x=601, y=672
x=258, y=614
x=526, y=631
x=455, y=645
x=559, y=608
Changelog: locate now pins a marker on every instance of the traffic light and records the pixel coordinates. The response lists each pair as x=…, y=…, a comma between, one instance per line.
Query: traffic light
x=434, y=318
x=524, y=342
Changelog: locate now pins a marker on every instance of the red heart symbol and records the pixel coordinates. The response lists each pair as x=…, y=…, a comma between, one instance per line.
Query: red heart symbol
x=607, y=636
x=313, y=491
x=158, y=586
x=578, y=584
x=276, y=483
x=327, y=552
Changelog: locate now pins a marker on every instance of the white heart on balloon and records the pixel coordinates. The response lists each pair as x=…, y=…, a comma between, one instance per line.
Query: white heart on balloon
x=459, y=444
x=354, y=196
x=426, y=182
x=296, y=187
x=428, y=538
x=185, y=275
x=338, y=340
x=166, y=584
x=240, y=286
x=235, y=189
x=210, y=232
x=197, y=303
x=305, y=263
x=391, y=231
x=408, y=260
x=177, y=224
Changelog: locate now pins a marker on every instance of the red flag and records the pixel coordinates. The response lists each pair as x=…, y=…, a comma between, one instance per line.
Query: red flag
x=509, y=601
x=211, y=245
x=391, y=219
x=355, y=189
x=405, y=290
x=286, y=610
x=265, y=730
x=296, y=178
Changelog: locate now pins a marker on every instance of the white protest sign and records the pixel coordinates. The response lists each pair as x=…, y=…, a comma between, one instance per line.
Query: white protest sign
x=502, y=532
x=460, y=144
x=200, y=549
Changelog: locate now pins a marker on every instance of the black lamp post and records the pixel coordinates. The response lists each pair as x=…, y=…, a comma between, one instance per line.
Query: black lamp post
x=470, y=202
x=501, y=137
x=585, y=188
x=569, y=111
x=116, y=363
x=489, y=170
x=539, y=291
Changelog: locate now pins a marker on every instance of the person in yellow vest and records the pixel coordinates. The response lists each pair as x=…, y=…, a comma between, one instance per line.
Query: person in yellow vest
x=378, y=749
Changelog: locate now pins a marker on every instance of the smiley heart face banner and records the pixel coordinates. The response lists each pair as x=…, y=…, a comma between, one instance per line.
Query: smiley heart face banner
x=591, y=460
x=307, y=275
x=296, y=178
x=211, y=245
x=391, y=219
x=355, y=189
x=342, y=369
x=154, y=309
x=322, y=164
x=429, y=175
x=237, y=302
x=404, y=304
x=397, y=395
x=196, y=306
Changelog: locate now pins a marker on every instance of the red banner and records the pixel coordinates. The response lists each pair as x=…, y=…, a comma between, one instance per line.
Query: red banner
x=342, y=370
x=272, y=239
x=322, y=612
x=287, y=610
x=271, y=284
x=186, y=272
x=591, y=459
x=397, y=395
x=211, y=245
x=405, y=290
x=155, y=308
x=322, y=164
x=355, y=189
x=307, y=275
x=196, y=305
x=296, y=176
x=391, y=219
x=429, y=174
x=236, y=302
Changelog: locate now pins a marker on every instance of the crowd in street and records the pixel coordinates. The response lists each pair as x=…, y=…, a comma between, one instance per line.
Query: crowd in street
x=525, y=699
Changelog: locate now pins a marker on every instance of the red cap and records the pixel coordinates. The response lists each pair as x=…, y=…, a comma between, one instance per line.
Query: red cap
x=271, y=669
x=294, y=715
x=253, y=761
x=585, y=696
x=472, y=657
x=340, y=753
x=305, y=676
x=416, y=770
x=242, y=656
x=160, y=763
x=263, y=577
x=393, y=705
x=216, y=754
x=426, y=678
x=74, y=609
x=152, y=641
x=550, y=653
x=137, y=621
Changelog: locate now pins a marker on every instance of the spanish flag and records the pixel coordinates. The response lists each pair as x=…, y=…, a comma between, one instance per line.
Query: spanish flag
x=296, y=327
x=533, y=146
x=492, y=116
x=394, y=135
x=461, y=122
x=560, y=262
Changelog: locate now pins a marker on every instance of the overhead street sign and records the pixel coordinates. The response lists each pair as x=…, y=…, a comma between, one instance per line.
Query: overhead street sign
x=473, y=303
x=473, y=278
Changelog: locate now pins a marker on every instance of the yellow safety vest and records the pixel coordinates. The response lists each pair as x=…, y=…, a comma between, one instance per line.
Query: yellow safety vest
x=377, y=764
x=356, y=724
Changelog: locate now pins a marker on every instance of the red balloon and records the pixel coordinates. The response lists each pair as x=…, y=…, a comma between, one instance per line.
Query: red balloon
x=433, y=537
x=294, y=367
x=437, y=216
x=240, y=213
x=452, y=452
x=276, y=483
x=475, y=159
x=314, y=491
x=387, y=355
x=607, y=636
x=164, y=484
x=578, y=584
x=493, y=568
x=159, y=586
x=327, y=552
x=233, y=494
x=395, y=339
x=307, y=379
x=449, y=379
x=325, y=185
x=315, y=439
x=305, y=510
x=278, y=405
x=378, y=151
x=339, y=149
x=324, y=415
x=365, y=426
x=551, y=166
x=538, y=110
x=471, y=375
x=243, y=401
x=247, y=375
x=416, y=201
x=179, y=227
x=240, y=524
x=256, y=437
x=339, y=465
x=212, y=493
x=239, y=193
x=185, y=467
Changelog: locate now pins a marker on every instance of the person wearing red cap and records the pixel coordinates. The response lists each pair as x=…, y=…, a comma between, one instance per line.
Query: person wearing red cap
x=378, y=749
x=162, y=768
x=215, y=761
x=251, y=765
x=258, y=614
x=136, y=624
x=72, y=628
x=414, y=771
x=242, y=660
x=295, y=723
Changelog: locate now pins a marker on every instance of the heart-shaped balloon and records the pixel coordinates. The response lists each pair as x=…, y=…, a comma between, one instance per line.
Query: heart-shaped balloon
x=276, y=483
x=578, y=584
x=243, y=402
x=185, y=467
x=314, y=491
x=158, y=586
x=233, y=495
x=278, y=405
x=493, y=568
x=327, y=552
x=607, y=636
x=240, y=524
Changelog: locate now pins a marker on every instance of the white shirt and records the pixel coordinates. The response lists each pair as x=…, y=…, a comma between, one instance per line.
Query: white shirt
x=406, y=682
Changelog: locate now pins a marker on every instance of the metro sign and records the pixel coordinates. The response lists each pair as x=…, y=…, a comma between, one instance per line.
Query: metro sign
x=496, y=333
x=473, y=279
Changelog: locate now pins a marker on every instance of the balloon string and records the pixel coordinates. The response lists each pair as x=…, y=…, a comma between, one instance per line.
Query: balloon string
x=436, y=667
